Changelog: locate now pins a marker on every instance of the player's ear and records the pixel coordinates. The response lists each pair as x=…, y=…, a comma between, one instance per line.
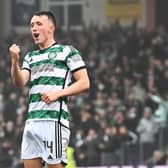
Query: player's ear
x=51, y=28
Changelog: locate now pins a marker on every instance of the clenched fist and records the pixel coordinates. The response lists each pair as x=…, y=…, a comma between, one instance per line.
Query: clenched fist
x=14, y=51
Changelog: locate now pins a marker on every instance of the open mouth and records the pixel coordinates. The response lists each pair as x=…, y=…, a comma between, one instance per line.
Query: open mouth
x=36, y=35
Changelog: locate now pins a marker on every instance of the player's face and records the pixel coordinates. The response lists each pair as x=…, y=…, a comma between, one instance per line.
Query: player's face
x=40, y=29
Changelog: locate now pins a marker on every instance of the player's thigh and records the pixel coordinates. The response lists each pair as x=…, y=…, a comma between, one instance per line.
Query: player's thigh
x=33, y=163
x=56, y=166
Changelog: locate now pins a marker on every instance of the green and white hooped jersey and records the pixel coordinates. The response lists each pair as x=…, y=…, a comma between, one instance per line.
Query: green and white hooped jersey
x=51, y=69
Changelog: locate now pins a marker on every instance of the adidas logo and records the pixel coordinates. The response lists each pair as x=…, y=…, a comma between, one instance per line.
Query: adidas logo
x=50, y=157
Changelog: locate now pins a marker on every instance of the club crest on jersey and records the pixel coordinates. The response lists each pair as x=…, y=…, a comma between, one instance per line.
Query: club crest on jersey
x=52, y=55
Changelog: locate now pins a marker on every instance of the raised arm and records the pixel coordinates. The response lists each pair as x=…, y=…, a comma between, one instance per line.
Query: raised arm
x=19, y=77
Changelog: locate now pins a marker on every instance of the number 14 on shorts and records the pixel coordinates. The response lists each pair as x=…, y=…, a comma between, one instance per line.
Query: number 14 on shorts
x=48, y=145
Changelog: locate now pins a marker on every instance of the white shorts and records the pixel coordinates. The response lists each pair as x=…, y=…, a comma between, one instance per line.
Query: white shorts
x=47, y=140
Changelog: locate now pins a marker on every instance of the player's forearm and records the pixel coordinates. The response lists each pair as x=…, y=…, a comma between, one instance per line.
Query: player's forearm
x=76, y=88
x=17, y=76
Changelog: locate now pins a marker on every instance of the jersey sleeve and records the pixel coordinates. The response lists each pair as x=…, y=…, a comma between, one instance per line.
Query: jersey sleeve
x=74, y=60
x=26, y=62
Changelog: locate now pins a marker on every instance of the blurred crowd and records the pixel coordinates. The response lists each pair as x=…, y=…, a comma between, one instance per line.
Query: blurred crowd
x=123, y=119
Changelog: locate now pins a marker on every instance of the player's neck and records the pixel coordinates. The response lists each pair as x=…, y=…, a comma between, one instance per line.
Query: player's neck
x=47, y=44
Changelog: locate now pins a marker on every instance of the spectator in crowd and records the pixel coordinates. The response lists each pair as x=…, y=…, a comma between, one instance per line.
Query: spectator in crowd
x=147, y=130
x=92, y=149
x=128, y=143
x=7, y=153
x=109, y=146
x=158, y=158
x=10, y=108
x=79, y=145
x=161, y=117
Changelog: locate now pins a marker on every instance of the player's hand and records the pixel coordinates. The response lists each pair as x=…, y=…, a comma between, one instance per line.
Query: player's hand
x=49, y=97
x=14, y=51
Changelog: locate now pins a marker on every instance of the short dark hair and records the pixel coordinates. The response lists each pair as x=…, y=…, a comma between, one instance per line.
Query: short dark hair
x=49, y=14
